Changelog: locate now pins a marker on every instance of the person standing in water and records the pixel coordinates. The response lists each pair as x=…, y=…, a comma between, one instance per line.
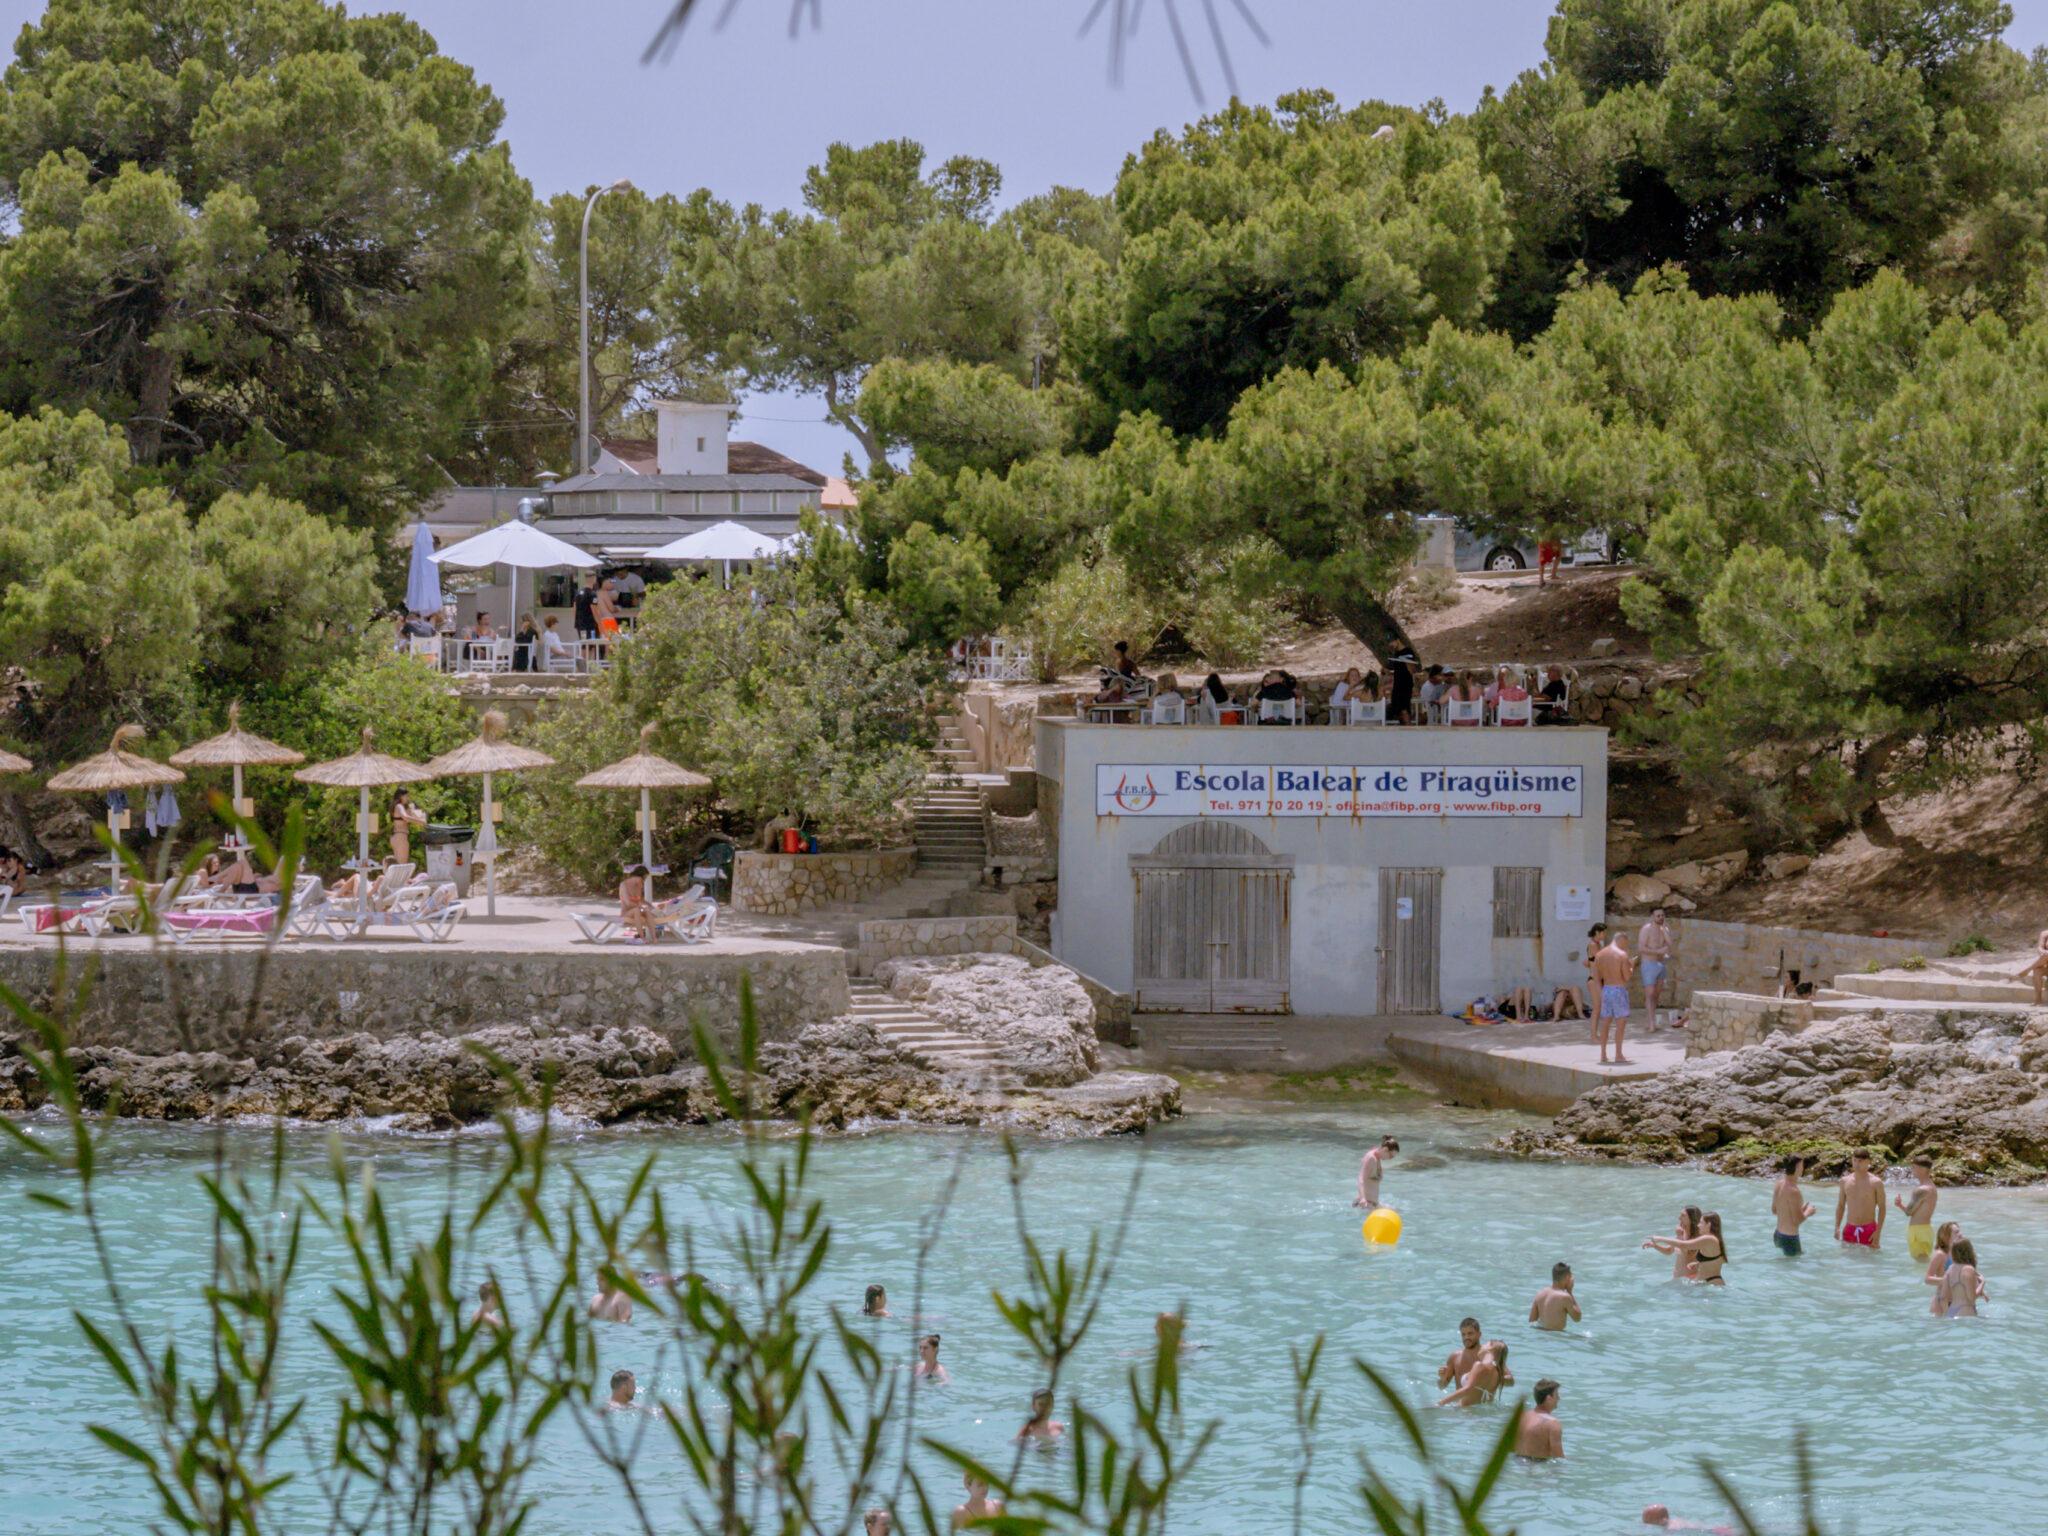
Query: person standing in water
x=610, y=1304
x=1961, y=1287
x=1788, y=1204
x=1538, y=1435
x=1555, y=1302
x=874, y=1302
x=1612, y=969
x=1462, y=1359
x=928, y=1367
x=1859, y=1208
x=1920, y=1209
x=1040, y=1425
x=1938, y=1262
x=979, y=1505
x=490, y=1307
x=1700, y=1255
x=1485, y=1379
x=1369, y=1169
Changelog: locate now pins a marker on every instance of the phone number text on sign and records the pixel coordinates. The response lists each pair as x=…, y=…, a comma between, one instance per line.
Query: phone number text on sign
x=1408, y=789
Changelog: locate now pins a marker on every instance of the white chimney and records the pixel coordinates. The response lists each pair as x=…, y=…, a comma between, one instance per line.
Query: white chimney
x=689, y=439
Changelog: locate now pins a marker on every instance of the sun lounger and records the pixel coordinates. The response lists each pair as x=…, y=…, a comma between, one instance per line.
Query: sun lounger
x=221, y=923
x=430, y=920
x=691, y=917
x=85, y=919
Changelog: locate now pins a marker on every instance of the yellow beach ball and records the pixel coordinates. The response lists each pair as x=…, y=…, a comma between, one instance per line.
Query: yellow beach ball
x=1383, y=1226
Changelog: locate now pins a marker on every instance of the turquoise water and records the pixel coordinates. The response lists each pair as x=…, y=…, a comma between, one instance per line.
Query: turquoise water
x=1244, y=1221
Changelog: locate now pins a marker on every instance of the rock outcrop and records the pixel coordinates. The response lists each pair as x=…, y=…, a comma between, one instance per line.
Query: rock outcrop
x=838, y=1072
x=1039, y=1018
x=1971, y=1089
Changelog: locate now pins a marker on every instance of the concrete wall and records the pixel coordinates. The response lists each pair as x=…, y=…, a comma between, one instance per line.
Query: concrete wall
x=136, y=996
x=1334, y=906
x=1743, y=957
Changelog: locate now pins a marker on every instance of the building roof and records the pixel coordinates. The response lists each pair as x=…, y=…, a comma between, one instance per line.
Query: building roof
x=726, y=482
x=640, y=457
x=839, y=496
x=624, y=536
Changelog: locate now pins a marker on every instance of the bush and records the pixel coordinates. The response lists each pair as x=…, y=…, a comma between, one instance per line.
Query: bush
x=1970, y=944
x=1080, y=612
x=413, y=714
x=1913, y=963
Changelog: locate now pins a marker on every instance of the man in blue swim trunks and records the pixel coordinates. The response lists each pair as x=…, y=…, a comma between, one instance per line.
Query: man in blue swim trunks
x=1653, y=960
x=1612, y=969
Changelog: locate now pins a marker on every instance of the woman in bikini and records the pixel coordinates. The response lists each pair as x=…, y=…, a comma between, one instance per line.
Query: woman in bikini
x=1961, y=1287
x=979, y=1505
x=928, y=1367
x=1938, y=1261
x=1483, y=1381
x=1690, y=1225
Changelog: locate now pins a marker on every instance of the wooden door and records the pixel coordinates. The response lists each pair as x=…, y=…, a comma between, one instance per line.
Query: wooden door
x=1211, y=932
x=1410, y=910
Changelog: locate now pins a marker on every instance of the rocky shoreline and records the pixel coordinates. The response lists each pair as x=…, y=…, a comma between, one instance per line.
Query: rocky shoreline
x=839, y=1072
x=1968, y=1088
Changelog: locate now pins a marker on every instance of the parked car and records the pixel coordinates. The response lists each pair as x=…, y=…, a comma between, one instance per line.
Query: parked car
x=1470, y=552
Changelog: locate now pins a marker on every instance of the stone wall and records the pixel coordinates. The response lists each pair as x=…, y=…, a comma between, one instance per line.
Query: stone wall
x=1727, y=1021
x=784, y=884
x=137, y=996
x=1743, y=957
x=895, y=939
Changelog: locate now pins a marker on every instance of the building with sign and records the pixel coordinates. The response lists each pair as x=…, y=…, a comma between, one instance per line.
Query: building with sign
x=1328, y=870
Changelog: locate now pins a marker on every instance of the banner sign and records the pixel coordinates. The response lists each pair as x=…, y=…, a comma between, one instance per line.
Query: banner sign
x=1182, y=789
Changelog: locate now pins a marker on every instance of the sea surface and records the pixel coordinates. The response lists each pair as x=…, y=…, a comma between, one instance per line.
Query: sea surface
x=1243, y=1221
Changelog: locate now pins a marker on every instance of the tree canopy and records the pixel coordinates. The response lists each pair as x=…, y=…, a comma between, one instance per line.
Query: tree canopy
x=274, y=242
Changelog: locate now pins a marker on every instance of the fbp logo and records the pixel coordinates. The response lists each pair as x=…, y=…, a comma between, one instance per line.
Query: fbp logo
x=1134, y=799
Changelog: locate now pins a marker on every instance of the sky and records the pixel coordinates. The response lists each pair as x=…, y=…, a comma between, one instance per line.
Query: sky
x=744, y=109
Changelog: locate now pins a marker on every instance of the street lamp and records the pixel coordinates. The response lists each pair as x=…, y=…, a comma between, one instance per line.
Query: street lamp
x=583, y=371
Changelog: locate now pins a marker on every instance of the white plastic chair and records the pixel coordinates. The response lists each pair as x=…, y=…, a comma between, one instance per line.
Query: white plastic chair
x=1286, y=711
x=1514, y=712
x=425, y=648
x=1364, y=711
x=1167, y=712
x=1464, y=711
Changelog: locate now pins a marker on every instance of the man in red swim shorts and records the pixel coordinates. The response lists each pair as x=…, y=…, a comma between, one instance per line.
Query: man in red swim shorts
x=1549, y=558
x=1859, y=1208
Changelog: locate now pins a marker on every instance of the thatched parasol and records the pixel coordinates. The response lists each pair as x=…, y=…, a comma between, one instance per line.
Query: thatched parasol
x=487, y=754
x=645, y=772
x=363, y=770
x=14, y=762
x=237, y=749
x=116, y=768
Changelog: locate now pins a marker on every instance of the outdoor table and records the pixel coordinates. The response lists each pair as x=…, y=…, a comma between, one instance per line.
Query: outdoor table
x=1100, y=714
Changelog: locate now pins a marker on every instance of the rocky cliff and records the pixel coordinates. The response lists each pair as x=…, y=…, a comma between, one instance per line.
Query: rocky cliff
x=1971, y=1089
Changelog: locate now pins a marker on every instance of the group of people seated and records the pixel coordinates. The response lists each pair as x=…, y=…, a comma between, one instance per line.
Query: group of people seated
x=537, y=645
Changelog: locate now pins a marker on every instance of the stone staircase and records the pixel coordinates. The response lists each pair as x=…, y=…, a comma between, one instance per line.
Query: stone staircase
x=951, y=756
x=1970, y=984
x=950, y=838
x=1243, y=1041
x=923, y=1039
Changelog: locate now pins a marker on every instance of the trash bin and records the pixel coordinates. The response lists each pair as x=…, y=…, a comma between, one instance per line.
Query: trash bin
x=451, y=850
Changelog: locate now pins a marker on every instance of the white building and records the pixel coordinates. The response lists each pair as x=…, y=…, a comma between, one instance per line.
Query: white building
x=1324, y=870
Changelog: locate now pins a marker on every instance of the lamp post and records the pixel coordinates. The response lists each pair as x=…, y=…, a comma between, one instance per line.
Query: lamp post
x=583, y=372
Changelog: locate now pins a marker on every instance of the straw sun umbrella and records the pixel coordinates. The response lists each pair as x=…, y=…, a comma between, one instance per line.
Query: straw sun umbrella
x=645, y=772
x=363, y=770
x=13, y=762
x=237, y=749
x=488, y=754
x=116, y=768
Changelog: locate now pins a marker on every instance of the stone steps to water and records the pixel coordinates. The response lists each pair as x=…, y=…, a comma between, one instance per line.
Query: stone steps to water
x=1211, y=1037
x=915, y=1034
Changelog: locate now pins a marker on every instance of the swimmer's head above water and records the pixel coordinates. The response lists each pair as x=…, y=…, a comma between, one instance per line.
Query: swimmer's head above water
x=875, y=1304
x=1468, y=1332
x=623, y=1387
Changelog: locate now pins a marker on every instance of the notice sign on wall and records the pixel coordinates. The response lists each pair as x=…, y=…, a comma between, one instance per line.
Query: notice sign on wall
x=1180, y=789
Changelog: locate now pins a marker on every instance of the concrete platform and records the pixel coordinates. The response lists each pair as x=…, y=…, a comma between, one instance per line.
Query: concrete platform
x=1538, y=1066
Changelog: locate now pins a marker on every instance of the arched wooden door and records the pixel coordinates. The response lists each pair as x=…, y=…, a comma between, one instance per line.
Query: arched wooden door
x=1211, y=934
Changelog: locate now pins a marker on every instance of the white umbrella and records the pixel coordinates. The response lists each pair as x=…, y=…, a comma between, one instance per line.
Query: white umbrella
x=423, y=580
x=725, y=542
x=519, y=545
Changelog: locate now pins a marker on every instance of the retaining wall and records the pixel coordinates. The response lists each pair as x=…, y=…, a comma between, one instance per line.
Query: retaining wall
x=1743, y=957
x=1727, y=1021
x=136, y=996
x=784, y=884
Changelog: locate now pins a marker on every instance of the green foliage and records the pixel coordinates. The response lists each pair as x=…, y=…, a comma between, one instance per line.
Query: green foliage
x=1970, y=944
x=414, y=715
x=1267, y=239
x=941, y=585
x=273, y=241
x=1792, y=149
x=1080, y=612
x=956, y=416
x=1913, y=963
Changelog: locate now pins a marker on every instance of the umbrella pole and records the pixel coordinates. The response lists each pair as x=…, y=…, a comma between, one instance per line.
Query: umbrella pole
x=114, y=853
x=647, y=846
x=235, y=834
x=488, y=845
x=363, y=851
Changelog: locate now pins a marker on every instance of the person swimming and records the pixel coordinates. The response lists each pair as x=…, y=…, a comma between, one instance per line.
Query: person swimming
x=1689, y=1221
x=1701, y=1255
x=1555, y=1302
x=979, y=1505
x=928, y=1367
x=1938, y=1262
x=610, y=1304
x=1040, y=1425
x=875, y=1303
x=490, y=1307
